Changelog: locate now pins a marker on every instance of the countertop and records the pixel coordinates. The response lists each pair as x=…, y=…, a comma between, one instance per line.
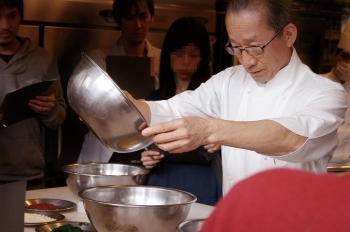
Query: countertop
x=197, y=210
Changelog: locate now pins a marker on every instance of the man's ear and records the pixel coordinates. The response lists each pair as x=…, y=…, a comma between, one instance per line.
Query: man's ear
x=290, y=33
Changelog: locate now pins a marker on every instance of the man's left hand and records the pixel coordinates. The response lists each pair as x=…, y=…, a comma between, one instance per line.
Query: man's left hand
x=43, y=104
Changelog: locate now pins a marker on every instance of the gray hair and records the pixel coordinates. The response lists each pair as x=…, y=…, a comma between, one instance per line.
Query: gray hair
x=278, y=11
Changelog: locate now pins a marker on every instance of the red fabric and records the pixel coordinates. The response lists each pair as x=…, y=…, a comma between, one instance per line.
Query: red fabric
x=284, y=200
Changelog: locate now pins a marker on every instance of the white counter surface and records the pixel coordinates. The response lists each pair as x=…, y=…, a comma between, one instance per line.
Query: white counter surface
x=197, y=210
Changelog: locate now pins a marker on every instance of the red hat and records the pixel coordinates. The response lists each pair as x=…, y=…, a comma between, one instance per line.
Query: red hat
x=284, y=200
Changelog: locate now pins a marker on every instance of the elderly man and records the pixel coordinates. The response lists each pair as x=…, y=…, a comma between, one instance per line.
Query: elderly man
x=271, y=111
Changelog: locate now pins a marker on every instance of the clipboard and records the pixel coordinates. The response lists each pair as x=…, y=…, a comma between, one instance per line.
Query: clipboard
x=15, y=107
x=133, y=74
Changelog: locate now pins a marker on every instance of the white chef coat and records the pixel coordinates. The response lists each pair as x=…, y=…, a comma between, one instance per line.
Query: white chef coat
x=297, y=98
x=342, y=152
x=92, y=149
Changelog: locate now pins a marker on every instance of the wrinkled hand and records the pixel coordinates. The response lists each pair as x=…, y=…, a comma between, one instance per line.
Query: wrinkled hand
x=212, y=148
x=150, y=159
x=43, y=104
x=179, y=135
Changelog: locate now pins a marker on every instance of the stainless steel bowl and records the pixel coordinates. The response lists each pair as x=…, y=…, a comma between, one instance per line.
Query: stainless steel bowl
x=194, y=225
x=86, y=175
x=105, y=109
x=136, y=208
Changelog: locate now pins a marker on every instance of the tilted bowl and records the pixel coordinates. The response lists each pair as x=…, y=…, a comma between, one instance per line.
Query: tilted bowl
x=136, y=208
x=86, y=175
x=105, y=109
x=193, y=225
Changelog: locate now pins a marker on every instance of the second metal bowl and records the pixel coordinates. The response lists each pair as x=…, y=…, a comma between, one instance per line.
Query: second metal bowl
x=136, y=208
x=86, y=175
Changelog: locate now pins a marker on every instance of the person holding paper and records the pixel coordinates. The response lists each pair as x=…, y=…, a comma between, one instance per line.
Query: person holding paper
x=23, y=63
x=134, y=18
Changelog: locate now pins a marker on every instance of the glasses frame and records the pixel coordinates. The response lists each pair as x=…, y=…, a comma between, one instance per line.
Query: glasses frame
x=230, y=49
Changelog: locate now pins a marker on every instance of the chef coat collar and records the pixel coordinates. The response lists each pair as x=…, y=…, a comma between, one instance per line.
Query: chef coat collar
x=286, y=76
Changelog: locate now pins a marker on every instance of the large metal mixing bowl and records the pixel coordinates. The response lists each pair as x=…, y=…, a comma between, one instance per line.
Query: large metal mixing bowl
x=86, y=175
x=136, y=208
x=105, y=109
x=193, y=225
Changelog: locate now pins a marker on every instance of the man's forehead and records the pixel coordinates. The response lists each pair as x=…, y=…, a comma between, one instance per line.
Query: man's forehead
x=6, y=10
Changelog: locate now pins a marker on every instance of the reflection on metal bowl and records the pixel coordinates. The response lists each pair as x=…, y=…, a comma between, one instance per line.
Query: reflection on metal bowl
x=104, y=108
x=136, y=208
x=86, y=175
x=194, y=225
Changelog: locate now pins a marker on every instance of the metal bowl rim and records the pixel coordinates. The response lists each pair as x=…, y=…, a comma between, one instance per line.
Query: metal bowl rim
x=80, y=193
x=178, y=227
x=64, y=169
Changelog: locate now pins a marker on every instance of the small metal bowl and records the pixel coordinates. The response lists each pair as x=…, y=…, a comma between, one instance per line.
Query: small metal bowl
x=86, y=175
x=194, y=225
x=136, y=208
x=105, y=109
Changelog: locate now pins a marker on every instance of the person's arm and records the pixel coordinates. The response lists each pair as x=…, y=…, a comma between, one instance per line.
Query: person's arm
x=185, y=134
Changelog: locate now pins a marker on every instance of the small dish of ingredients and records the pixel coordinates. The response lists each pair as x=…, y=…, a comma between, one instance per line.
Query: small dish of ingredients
x=36, y=218
x=67, y=226
x=48, y=205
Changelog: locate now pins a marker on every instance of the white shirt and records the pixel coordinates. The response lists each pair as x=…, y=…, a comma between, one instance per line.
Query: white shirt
x=297, y=98
x=93, y=149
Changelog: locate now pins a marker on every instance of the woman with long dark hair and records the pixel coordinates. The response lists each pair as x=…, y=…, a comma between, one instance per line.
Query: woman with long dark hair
x=184, y=65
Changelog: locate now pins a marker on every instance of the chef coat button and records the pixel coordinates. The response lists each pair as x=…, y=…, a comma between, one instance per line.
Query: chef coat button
x=265, y=158
x=283, y=97
x=248, y=91
x=229, y=177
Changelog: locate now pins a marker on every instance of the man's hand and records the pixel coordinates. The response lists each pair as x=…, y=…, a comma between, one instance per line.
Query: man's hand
x=179, y=135
x=43, y=104
x=150, y=159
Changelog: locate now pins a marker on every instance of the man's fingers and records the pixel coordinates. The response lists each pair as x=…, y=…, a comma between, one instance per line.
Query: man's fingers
x=161, y=128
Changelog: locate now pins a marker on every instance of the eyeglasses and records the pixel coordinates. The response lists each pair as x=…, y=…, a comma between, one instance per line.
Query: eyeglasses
x=344, y=56
x=252, y=50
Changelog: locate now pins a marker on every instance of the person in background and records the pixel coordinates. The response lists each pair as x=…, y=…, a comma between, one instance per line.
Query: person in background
x=341, y=74
x=23, y=63
x=134, y=18
x=271, y=111
x=284, y=200
x=184, y=65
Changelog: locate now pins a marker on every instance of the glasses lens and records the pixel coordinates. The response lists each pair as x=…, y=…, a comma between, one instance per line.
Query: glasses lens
x=254, y=51
x=230, y=50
